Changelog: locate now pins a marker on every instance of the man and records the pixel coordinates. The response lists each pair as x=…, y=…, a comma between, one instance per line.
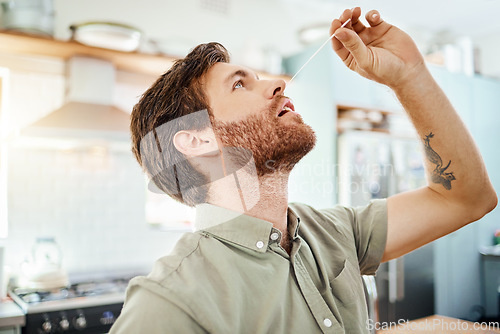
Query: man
x=212, y=134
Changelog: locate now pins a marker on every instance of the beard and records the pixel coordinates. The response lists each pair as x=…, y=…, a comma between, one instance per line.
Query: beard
x=276, y=144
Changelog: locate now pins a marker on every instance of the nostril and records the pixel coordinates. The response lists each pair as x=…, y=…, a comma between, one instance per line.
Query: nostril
x=277, y=90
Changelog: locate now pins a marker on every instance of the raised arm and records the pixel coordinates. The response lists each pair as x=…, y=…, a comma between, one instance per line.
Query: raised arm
x=458, y=190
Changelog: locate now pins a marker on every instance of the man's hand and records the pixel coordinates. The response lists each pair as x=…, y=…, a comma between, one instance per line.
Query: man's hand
x=381, y=52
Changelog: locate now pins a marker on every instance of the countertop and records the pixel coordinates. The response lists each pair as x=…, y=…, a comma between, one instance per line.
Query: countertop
x=442, y=325
x=11, y=315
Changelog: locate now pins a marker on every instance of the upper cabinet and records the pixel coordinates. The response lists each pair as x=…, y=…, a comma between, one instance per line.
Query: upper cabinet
x=350, y=88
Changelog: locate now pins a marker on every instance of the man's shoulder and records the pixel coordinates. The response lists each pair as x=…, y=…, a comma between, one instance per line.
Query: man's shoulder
x=167, y=268
x=338, y=214
x=177, y=269
x=336, y=221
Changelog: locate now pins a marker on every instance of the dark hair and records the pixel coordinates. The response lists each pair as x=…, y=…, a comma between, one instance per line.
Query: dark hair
x=177, y=93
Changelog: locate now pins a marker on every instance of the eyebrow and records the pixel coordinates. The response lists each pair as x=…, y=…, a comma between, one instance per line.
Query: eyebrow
x=241, y=73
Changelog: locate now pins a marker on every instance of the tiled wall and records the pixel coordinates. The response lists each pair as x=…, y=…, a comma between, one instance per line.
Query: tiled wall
x=91, y=200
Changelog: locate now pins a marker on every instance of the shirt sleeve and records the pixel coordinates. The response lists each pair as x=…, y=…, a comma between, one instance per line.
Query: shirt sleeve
x=147, y=312
x=363, y=227
x=369, y=225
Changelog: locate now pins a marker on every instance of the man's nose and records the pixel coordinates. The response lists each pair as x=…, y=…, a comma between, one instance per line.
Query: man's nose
x=275, y=87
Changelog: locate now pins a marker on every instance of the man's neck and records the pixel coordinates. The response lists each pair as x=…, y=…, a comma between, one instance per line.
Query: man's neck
x=272, y=205
x=265, y=197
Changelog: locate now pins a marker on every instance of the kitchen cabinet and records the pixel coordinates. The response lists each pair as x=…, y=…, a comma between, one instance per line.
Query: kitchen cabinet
x=490, y=263
x=459, y=89
x=384, y=98
x=10, y=330
x=11, y=318
x=348, y=87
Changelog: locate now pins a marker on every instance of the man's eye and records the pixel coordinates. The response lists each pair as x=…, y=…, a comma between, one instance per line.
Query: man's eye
x=238, y=85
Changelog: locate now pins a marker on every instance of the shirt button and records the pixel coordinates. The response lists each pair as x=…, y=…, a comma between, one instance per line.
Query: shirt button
x=259, y=244
x=274, y=236
x=327, y=322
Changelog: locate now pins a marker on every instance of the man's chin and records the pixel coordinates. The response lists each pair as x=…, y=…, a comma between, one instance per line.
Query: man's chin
x=296, y=142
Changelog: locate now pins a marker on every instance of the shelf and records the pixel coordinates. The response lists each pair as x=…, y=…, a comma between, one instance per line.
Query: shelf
x=17, y=43
x=39, y=46
x=351, y=118
x=382, y=111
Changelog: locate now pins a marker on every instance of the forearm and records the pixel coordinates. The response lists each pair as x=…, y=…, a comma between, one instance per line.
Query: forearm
x=454, y=166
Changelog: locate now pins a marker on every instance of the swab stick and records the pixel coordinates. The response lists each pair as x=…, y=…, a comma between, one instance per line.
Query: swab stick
x=315, y=53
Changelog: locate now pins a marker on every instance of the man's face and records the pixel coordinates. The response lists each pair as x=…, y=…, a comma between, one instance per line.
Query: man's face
x=254, y=114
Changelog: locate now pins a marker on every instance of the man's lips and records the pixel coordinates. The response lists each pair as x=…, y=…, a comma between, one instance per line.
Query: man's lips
x=284, y=107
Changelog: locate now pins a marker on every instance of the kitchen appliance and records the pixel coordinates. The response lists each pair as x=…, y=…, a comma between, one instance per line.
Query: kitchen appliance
x=29, y=16
x=378, y=165
x=44, y=269
x=108, y=35
x=86, y=307
x=371, y=297
x=490, y=281
x=88, y=112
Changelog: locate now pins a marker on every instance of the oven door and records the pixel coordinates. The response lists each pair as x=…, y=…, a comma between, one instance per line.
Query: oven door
x=89, y=320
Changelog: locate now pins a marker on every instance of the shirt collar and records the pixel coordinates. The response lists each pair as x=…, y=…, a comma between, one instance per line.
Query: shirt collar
x=247, y=231
x=293, y=223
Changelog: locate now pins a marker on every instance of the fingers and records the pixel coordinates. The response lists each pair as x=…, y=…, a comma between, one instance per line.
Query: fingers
x=336, y=24
x=346, y=15
x=353, y=45
x=351, y=40
x=357, y=25
x=374, y=19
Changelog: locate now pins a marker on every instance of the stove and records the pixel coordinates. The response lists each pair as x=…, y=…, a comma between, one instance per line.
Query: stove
x=86, y=307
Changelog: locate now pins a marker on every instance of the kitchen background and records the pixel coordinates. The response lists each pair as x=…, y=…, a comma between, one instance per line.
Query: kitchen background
x=89, y=194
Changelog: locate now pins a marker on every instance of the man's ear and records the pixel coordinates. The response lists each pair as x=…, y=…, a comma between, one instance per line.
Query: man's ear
x=193, y=143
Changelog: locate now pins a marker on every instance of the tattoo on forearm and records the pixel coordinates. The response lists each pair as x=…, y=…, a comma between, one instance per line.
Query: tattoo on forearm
x=438, y=174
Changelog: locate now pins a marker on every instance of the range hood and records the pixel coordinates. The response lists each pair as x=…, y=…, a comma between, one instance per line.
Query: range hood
x=88, y=112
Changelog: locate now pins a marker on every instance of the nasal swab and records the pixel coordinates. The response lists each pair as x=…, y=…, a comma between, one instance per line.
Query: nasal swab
x=315, y=53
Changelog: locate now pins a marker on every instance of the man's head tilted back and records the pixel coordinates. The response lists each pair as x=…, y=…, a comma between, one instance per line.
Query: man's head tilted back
x=204, y=103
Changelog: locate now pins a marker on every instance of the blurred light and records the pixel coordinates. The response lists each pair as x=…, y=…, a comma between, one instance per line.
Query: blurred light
x=314, y=33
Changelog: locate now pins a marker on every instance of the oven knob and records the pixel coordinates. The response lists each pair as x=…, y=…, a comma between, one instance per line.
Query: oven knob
x=64, y=324
x=107, y=318
x=47, y=326
x=80, y=322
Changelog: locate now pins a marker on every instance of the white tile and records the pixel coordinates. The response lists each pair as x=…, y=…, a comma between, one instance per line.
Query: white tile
x=97, y=216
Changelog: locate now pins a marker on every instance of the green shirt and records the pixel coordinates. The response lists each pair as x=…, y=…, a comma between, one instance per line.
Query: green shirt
x=232, y=275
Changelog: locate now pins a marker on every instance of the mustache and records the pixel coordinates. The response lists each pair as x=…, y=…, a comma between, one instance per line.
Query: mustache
x=271, y=112
x=275, y=103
